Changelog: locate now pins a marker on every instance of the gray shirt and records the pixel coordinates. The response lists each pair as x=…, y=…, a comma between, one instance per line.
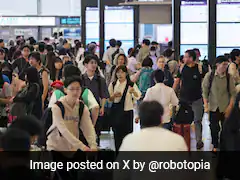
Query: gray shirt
x=5, y=92
x=219, y=95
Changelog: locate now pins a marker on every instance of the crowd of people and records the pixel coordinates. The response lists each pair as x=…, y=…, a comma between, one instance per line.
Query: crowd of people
x=55, y=96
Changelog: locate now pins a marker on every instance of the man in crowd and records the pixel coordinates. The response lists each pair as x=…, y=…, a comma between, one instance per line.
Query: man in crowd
x=144, y=51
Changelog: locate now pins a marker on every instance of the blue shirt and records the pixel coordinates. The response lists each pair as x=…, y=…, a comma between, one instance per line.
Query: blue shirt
x=6, y=79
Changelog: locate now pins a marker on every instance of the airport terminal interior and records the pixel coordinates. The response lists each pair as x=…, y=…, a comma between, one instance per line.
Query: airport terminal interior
x=118, y=75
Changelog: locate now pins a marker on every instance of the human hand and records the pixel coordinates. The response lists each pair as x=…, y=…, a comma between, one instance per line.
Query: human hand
x=228, y=111
x=117, y=94
x=101, y=113
x=132, y=90
x=108, y=62
x=206, y=110
x=86, y=149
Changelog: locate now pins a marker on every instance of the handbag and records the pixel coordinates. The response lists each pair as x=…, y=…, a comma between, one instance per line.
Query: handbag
x=21, y=108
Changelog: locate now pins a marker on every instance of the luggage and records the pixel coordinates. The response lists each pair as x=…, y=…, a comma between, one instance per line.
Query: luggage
x=184, y=131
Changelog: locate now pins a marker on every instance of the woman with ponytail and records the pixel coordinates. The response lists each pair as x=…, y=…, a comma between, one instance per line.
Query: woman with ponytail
x=123, y=92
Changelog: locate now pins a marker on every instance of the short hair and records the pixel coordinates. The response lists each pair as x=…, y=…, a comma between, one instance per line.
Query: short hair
x=71, y=80
x=41, y=47
x=181, y=58
x=1, y=40
x=35, y=55
x=191, y=53
x=112, y=42
x=125, y=58
x=90, y=57
x=154, y=43
x=234, y=53
x=65, y=41
x=15, y=140
x=150, y=113
x=71, y=70
x=119, y=43
x=220, y=59
x=146, y=42
x=158, y=76
x=168, y=52
x=25, y=46
x=147, y=62
x=32, y=75
x=49, y=48
x=29, y=123
x=46, y=39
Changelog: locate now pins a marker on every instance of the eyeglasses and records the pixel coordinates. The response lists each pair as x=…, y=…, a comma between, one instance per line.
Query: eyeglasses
x=73, y=89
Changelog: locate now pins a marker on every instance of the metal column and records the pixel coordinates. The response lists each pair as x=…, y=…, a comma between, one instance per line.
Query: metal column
x=176, y=27
x=212, y=32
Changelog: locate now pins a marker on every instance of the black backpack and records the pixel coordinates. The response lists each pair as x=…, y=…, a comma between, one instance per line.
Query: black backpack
x=47, y=122
x=184, y=115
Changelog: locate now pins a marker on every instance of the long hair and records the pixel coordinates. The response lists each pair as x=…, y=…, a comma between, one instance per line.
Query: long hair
x=125, y=58
x=32, y=75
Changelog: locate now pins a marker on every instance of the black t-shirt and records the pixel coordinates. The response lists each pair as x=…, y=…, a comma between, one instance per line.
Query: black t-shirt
x=191, y=89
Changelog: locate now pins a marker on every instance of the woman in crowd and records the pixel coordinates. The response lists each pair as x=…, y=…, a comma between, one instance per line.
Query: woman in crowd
x=122, y=92
x=121, y=60
x=168, y=79
x=32, y=98
x=153, y=56
x=5, y=99
x=56, y=71
x=132, y=61
x=35, y=61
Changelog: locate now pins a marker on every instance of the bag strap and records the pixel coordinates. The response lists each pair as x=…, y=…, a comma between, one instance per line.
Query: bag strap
x=61, y=107
x=228, y=84
x=81, y=109
x=211, y=77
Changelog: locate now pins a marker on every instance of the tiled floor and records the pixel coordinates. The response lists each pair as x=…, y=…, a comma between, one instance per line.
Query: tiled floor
x=107, y=140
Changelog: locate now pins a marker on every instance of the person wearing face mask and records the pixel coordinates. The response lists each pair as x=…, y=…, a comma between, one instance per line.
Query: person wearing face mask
x=153, y=56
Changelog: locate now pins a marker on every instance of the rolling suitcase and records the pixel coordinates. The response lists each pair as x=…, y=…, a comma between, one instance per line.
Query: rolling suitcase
x=184, y=131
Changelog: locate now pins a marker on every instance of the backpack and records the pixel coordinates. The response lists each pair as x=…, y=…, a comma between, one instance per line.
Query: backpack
x=114, y=54
x=211, y=77
x=144, y=81
x=47, y=122
x=184, y=115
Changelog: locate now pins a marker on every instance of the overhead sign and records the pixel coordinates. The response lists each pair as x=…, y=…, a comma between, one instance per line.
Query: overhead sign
x=27, y=21
x=70, y=21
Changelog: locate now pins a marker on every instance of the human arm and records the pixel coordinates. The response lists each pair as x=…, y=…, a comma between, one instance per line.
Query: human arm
x=136, y=94
x=232, y=94
x=205, y=86
x=233, y=71
x=88, y=129
x=104, y=95
x=45, y=85
x=174, y=99
x=58, y=121
x=7, y=91
x=134, y=78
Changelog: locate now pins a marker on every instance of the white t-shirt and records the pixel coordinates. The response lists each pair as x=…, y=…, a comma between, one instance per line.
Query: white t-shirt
x=153, y=139
x=165, y=95
x=132, y=62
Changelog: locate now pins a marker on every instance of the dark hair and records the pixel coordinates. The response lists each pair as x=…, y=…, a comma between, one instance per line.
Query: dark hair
x=234, y=53
x=25, y=46
x=72, y=79
x=168, y=52
x=36, y=55
x=125, y=58
x=181, y=58
x=220, y=59
x=32, y=75
x=191, y=53
x=150, y=114
x=119, y=43
x=170, y=43
x=158, y=76
x=46, y=39
x=147, y=62
x=146, y=42
x=41, y=47
x=124, y=69
x=132, y=52
x=90, y=57
x=65, y=41
x=49, y=48
x=1, y=40
x=112, y=42
x=15, y=140
x=29, y=123
x=154, y=43
x=71, y=70
x=152, y=48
